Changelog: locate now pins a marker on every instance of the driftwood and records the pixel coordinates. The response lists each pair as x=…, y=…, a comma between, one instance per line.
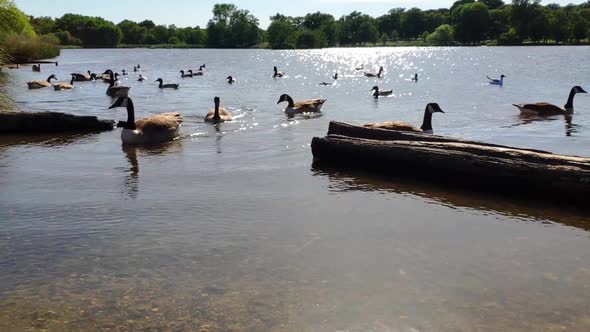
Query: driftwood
x=50, y=122
x=460, y=163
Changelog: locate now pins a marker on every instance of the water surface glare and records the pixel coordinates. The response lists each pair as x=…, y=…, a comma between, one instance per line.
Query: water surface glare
x=231, y=227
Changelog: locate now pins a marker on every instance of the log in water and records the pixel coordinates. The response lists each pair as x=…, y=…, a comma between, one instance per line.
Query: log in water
x=461, y=163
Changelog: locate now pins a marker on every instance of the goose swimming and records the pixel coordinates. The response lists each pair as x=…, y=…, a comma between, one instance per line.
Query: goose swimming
x=495, y=81
x=65, y=86
x=426, y=127
x=166, y=86
x=38, y=84
x=141, y=78
x=546, y=109
x=375, y=75
x=303, y=106
x=157, y=128
x=37, y=67
x=218, y=114
x=189, y=74
x=230, y=80
x=380, y=93
x=116, y=90
x=277, y=73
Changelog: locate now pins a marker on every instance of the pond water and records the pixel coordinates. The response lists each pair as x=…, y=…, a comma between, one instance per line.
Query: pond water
x=231, y=227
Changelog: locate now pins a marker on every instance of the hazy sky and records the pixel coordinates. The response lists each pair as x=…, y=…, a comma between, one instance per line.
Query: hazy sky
x=198, y=12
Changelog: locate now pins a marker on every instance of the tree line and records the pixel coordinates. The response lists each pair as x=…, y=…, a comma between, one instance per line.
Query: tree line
x=466, y=22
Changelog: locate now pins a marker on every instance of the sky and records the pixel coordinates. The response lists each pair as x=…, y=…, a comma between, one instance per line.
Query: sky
x=185, y=13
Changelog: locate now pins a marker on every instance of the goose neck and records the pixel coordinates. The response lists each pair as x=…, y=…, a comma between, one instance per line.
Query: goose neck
x=130, y=115
x=570, y=100
x=290, y=101
x=427, y=121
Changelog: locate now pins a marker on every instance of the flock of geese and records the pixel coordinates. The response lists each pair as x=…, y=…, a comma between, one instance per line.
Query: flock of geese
x=165, y=126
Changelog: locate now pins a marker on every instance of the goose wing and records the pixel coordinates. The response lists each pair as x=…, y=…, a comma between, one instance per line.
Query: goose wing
x=310, y=103
x=541, y=108
x=160, y=122
x=393, y=125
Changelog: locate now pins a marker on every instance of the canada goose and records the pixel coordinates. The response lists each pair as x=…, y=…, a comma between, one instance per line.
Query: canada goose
x=335, y=76
x=115, y=90
x=166, y=86
x=404, y=126
x=545, y=109
x=138, y=66
x=123, y=72
x=375, y=75
x=496, y=81
x=415, y=78
x=157, y=128
x=79, y=77
x=231, y=80
x=37, y=67
x=362, y=67
x=303, y=106
x=106, y=77
x=65, y=86
x=134, y=69
x=141, y=78
x=219, y=114
x=277, y=73
x=380, y=93
x=198, y=72
x=183, y=75
x=14, y=67
x=38, y=84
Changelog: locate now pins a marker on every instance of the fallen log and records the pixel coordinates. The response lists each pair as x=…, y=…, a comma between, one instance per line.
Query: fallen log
x=50, y=122
x=345, y=129
x=457, y=163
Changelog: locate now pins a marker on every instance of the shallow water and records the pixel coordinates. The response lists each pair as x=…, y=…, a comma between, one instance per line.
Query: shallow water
x=232, y=228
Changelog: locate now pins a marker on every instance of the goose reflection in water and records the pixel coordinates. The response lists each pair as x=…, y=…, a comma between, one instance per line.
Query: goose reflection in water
x=131, y=180
x=570, y=128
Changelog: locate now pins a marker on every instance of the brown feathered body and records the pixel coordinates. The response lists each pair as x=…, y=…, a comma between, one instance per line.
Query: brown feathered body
x=224, y=115
x=394, y=125
x=157, y=128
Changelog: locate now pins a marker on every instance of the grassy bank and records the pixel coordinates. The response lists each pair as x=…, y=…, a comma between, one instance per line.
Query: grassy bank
x=23, y=49
x=178, y=46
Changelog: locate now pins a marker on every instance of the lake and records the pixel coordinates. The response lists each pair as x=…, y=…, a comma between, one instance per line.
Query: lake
x=232, y=228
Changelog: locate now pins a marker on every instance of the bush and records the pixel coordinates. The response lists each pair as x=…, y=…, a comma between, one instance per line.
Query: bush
x=66, y=38
x=173, y=40
x=442, y=36
x=22, y=49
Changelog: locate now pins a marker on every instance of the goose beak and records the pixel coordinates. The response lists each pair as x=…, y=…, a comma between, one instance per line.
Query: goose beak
x=582, y=91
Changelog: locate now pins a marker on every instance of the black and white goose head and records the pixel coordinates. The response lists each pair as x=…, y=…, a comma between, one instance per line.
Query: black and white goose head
x=431, y=108
x=578, y=89
x=375, y=91
x=121, y=102
x=285, y=97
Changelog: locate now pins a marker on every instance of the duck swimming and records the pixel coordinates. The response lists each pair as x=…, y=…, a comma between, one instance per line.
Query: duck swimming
x=79, y=77
x=157, y=128
x=380, y=93
x=415, y=78
x=37, y=67
x=375, y=75
x=141, y=78
x=230, y=80
x=303, y=106
x=426, y=127
x=495, y=81
x=218, y=114
x=546, y=109
x=189, y=74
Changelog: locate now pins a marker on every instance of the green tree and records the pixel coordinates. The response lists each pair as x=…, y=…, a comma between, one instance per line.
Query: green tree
x=471, y=22
x=281, y=33
x=13, y=20
x=412, y=23
x=43, y=25
x=368, y=32
x=522, y=15
x=442, y=36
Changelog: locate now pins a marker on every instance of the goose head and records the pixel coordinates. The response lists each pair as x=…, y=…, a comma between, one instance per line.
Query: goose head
x=107, y=72
x=578, y=89
x=434, y=108
x=190, y=71
x=121, y=102
x=159, y=80
x=51, y=77
x=123, y=71
x=375, y=91
x=182, y=72
x=283, y=97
